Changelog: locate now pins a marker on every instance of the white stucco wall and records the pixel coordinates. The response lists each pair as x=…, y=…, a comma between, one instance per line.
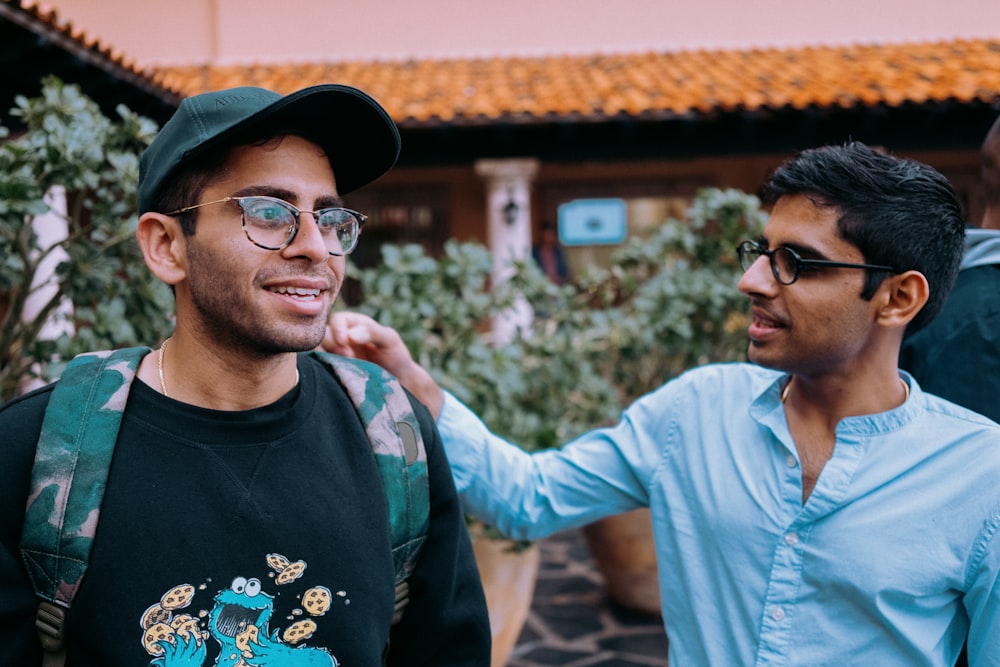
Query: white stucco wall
x=238, y=31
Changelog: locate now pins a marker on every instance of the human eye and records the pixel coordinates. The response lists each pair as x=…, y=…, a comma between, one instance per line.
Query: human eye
x=340, y=227
x=338, y=222
x=788, y=263
x=332, y=218
x=266, y=213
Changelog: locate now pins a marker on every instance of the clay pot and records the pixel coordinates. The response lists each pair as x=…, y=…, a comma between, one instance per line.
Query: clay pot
x=508, y=577
x=623, y=549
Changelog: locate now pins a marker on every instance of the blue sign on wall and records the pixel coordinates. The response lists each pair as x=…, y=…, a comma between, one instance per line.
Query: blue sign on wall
x=592, y=222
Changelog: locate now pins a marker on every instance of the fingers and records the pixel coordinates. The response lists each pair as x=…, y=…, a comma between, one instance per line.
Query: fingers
x=345, y=331
x=359, y=336
x=356, y=335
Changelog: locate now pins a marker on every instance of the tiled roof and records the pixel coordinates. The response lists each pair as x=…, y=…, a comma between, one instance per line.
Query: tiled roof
x=640, y=85
x=45, y=21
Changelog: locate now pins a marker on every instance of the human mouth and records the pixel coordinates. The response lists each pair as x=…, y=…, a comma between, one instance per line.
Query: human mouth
x=304, y=293
x=763, y=325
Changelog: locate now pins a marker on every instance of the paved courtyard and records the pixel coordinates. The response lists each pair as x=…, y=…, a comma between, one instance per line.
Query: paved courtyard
x=573, y=623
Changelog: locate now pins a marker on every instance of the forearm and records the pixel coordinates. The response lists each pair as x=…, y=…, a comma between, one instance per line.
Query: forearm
x=420, y=383
x=530, y=496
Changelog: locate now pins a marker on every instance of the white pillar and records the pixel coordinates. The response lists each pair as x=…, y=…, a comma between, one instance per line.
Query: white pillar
x=51, y=229
x=508, y=219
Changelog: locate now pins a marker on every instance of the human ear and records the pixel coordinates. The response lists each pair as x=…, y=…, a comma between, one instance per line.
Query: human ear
x=163, y=247
x=902, y=297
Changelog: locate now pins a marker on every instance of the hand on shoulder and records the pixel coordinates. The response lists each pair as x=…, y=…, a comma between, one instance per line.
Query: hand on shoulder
x=358, y=336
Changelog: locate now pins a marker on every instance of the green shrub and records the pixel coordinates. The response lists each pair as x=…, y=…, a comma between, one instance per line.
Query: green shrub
x=666, y=303
x=116, y=301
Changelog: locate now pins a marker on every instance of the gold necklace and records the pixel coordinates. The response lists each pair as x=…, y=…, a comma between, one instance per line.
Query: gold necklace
x=906, y=390
x=159, y=367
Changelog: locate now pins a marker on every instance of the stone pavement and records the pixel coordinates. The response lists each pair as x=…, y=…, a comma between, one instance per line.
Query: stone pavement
x=573, y=623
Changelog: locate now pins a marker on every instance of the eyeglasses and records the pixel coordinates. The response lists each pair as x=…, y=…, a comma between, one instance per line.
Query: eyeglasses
x=272, y=223
x=786, y=264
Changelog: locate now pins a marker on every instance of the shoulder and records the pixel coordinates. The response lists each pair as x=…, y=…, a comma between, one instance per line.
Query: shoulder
x=706, y=390
x=939, y=408
x=20, y=423
x=712, y=381
x=355, y=377
x=28, y=408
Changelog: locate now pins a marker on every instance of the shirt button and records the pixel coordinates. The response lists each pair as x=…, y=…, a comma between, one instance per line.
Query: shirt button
x=791, y=539
x=778, y=613
x=791, y=462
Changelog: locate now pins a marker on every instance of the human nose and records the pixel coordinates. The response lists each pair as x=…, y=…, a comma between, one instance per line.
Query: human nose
x=758, y=277
x=308, y=240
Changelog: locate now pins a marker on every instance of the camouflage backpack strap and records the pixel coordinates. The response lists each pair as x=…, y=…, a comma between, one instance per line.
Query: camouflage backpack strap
x=68, y=479
x=394, y=435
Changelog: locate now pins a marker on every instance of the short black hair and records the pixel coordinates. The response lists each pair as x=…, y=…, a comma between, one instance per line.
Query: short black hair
x=183, y=188
x=898, y=212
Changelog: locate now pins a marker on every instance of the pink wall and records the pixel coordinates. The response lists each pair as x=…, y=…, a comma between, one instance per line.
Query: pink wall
x=238, y=31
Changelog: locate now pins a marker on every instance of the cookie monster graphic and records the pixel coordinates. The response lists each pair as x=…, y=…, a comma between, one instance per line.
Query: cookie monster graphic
x=239, y=622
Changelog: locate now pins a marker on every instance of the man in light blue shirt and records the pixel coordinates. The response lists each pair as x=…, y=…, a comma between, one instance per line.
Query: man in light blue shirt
x=814, y=507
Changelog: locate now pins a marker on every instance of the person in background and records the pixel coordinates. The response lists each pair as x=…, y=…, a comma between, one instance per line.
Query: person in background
x=244, y=520
x=548, y=254
x=957, y=356
x=814, y=506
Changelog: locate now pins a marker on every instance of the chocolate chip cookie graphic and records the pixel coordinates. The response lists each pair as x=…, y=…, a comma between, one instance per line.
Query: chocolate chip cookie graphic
x=185, y=625
x=177, y=597
x=277, y=562
x=299, y=630
x=154, y=634
x=291, y=573
x=316, y=601
x=155, y=614
x=244, y=638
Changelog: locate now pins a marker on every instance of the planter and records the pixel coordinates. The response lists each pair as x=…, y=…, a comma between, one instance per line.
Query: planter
x=509, y=583
x=623, y=549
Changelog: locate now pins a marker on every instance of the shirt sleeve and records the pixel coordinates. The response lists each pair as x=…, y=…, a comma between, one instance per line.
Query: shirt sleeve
x=982, y=601
x=530, y=496
x=445, y=622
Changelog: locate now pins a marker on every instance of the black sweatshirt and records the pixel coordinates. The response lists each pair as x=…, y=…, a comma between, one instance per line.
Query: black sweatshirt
x=275, y=518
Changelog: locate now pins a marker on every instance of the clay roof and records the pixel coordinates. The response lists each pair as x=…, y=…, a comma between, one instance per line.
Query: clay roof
x=640, y=85
x=38, y=42
x=580, y=88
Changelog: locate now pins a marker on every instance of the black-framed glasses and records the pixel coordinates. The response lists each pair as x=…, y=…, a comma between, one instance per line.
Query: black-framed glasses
x=787, y=265
x=272, y=223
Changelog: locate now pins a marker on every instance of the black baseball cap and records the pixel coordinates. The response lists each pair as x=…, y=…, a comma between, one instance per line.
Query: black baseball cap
x=358, y=136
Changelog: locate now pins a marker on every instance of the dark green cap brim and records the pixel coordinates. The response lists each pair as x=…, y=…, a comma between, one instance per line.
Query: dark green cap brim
x=360, y=139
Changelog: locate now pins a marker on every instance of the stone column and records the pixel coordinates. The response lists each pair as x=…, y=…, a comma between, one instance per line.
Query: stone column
x=51, y=229
x=508, y=219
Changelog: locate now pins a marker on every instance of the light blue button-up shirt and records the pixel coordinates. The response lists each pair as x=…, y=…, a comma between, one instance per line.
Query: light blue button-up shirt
x=892, y=559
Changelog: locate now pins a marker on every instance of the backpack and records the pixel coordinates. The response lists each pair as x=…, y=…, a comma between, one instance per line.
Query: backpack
x=77, y=440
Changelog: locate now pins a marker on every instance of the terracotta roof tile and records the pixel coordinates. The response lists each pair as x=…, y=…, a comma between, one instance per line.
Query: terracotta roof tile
x=98, y=51
x=596, y=87
x=602, y=86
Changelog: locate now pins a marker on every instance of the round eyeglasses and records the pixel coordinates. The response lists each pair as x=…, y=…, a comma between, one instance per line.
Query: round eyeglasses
x=787, y=265
x=272, y=223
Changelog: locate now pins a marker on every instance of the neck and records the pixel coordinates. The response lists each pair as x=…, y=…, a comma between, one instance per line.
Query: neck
x=218, y=381
x=832, y=401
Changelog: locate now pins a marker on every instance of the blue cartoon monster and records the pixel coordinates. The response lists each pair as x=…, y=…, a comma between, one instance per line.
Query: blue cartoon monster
x=239, y=623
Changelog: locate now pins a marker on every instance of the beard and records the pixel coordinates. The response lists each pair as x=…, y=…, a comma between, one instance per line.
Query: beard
x=231, y=317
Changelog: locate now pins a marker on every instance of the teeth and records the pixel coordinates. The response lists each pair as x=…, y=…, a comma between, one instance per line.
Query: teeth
x=297, y=291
